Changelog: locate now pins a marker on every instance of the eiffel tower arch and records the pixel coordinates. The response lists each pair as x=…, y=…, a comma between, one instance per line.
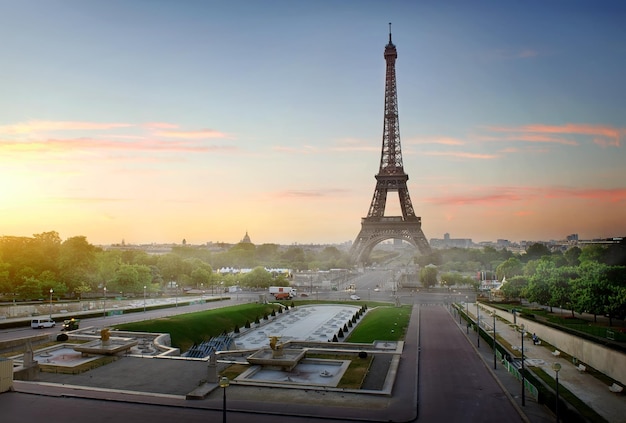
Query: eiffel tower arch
x=391, y=177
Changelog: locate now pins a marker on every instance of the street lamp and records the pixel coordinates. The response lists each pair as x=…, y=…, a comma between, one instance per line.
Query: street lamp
x=105, y=302
x=556, y=367
x=523, y=390
x=493, y=313
x=144, y=298
x=477, y=325
x=51, y=291
x=224, y=383
x=466, y=316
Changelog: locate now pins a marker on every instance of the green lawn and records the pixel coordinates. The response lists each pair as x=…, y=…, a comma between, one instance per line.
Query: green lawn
x=384, y=323
x=194, y=328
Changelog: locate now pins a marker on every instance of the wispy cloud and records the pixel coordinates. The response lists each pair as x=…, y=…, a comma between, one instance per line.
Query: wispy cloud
x=343, y=145
x=305, y=149
x=603, y=135
x=461, y=154
x=90, y=144
x=504, y=195
x=200, y=134
x=304, y=194
x=442, y=140
x=160, y=125
x=39, y=126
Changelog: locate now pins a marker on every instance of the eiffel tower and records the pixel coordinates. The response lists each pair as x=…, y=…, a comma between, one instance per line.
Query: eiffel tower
x=377, y=227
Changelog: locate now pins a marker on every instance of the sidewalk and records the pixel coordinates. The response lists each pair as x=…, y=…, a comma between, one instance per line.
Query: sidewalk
x=586, y=387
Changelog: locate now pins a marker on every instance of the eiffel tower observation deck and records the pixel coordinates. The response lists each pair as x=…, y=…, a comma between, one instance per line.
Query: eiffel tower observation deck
x=391, y=177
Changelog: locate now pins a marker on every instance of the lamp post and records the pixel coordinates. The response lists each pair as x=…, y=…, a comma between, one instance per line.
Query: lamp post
x=51, y=291
x=466, y=316
x=477, y=325
x=494, y=339
x=224, y=383
x=144, y=298
x=105, y=302
x=556, y=367
x=522, y=372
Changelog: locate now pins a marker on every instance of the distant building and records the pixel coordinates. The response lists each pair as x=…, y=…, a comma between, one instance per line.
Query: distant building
x=246, y=239
x=448, y=242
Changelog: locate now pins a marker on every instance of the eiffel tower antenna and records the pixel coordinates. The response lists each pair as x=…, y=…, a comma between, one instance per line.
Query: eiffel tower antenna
x=376, y=227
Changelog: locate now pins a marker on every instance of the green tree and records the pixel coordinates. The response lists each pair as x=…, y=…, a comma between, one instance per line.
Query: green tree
x=258, y=277
x=561, y=286
x=509, y=268
x=536, y=251
x=29, y=289
x=77, y=262
x=428, y=276
x=201, y=276
x=514, y=287
x=592, y=253
x=538, y=289
x=572, y=256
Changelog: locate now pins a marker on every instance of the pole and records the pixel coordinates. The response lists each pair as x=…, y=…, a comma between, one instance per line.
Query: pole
x=477, y=325
x=224, y=382
x=105, y=303
x=51, y=291
x=556, y=367
x=144, y=298
x=224, y=407
x=494, y=340
x=557, y=397
x=523, y=390
x=467, y=316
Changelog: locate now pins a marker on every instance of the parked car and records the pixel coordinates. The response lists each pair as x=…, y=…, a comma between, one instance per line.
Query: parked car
x=376, y=289
x=355, y=297
x=42, y=322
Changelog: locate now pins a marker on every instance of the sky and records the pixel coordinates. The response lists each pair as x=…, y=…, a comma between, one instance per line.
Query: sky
x=154, y=121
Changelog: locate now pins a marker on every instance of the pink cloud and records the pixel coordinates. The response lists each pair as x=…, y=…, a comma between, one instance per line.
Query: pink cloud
x=502, y=195
x=37, y=126
x=603, y=134
x=199, y=134
x=437, y=140
x=87, y=144
x=309, y=193
x=461, y=154
x=306, y=149
x=160, y=125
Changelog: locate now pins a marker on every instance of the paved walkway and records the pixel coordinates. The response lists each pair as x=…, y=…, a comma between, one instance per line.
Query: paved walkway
x=590, y=390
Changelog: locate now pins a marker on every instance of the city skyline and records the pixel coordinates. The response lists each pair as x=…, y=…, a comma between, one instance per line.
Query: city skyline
x=153, y=122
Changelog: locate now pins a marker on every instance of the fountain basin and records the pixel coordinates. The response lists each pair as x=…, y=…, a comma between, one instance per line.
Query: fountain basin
x=111, y=347
x=287, y=360
x=308, y=372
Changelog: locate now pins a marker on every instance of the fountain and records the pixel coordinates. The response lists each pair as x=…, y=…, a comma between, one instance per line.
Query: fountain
x=280, y=365
x=277, y=356
x=106, y=345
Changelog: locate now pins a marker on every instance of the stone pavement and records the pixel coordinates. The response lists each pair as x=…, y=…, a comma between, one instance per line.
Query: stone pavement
x=587, y=388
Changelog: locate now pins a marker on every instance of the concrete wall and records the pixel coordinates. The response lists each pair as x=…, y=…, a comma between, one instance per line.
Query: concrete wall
x=610, y=362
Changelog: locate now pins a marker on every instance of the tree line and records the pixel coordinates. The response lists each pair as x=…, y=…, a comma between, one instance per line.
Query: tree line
x=591, y=279
x=32, y=266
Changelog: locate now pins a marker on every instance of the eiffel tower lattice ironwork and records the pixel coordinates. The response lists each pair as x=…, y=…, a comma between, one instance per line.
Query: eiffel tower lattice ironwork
x=377, y=227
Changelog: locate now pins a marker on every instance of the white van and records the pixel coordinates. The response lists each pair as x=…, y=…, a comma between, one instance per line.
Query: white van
x=42, y=322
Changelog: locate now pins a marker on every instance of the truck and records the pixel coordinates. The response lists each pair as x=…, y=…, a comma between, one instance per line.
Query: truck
x=282, y=292
x=71, y=324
